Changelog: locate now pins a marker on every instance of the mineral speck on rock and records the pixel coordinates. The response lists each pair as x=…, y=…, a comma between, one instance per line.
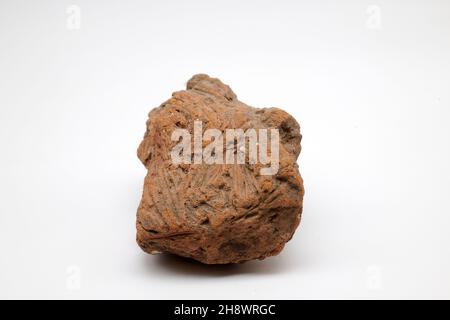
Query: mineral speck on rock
x=217, y=212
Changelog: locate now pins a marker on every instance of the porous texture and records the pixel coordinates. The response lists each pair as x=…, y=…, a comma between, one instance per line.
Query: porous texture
x=216, y=213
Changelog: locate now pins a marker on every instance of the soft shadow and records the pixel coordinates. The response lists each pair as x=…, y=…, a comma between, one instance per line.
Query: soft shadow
x=169, y=263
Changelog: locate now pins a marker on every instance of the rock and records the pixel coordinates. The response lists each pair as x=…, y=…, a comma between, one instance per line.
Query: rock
x=212, y=212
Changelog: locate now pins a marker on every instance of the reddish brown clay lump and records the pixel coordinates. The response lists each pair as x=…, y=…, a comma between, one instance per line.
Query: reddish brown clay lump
x=217, y=213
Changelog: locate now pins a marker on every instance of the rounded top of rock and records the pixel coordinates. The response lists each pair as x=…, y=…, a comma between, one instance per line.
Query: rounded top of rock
x=204, y=83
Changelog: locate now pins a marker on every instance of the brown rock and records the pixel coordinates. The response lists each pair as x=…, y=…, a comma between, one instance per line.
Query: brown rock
x=217, y=213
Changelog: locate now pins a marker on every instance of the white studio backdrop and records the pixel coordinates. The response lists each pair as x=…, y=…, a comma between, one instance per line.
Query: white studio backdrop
x=368, y=81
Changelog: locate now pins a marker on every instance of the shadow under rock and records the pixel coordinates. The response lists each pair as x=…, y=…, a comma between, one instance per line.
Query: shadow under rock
x=185, y=266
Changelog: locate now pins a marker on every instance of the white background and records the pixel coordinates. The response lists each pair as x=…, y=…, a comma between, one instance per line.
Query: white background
x=368, y=82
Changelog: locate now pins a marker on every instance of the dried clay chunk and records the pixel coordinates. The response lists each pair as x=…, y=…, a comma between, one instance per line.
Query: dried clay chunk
x=217, y=213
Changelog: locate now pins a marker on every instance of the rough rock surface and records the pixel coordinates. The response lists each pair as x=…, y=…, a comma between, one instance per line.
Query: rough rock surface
x=217, y=213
